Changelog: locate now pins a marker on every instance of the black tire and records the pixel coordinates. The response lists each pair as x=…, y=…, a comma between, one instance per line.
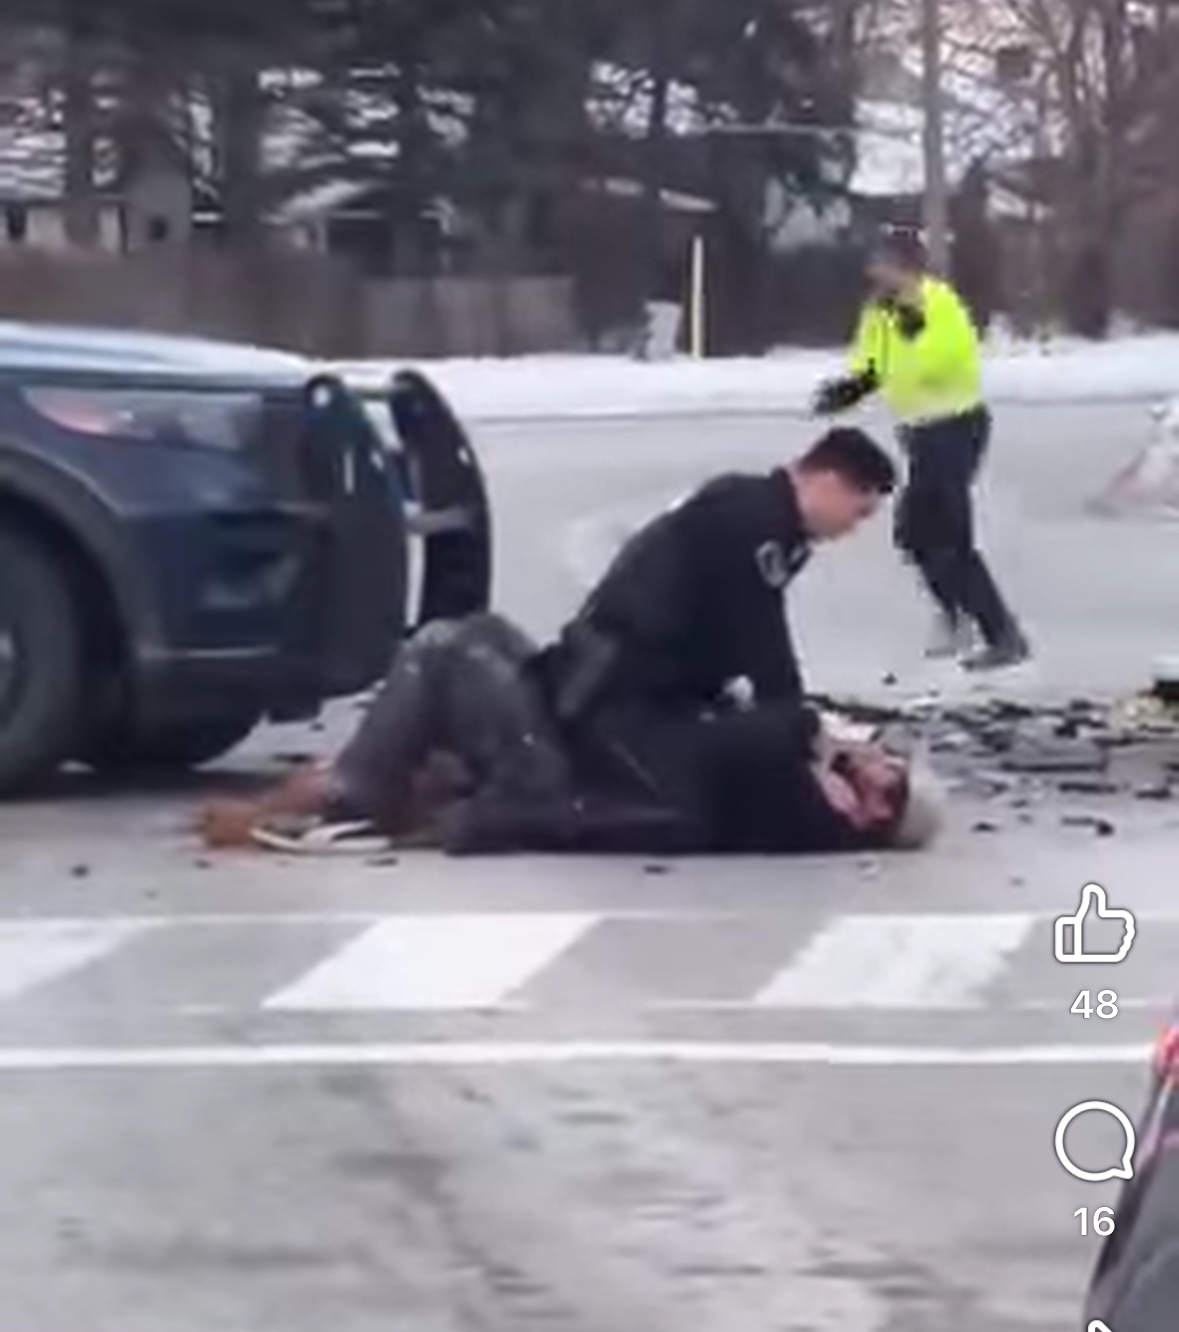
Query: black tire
x=40, y=661
x=177, y=747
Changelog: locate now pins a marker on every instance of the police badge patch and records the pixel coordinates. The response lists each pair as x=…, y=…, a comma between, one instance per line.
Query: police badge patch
x=771, y=560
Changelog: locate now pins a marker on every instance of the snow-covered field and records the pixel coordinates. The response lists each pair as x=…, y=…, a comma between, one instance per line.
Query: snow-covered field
x=532, y=387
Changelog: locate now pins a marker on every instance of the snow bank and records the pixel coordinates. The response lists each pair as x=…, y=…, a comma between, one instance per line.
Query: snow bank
x=540, y=387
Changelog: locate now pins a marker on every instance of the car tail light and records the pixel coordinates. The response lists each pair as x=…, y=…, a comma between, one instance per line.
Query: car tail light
x=1166, y=1054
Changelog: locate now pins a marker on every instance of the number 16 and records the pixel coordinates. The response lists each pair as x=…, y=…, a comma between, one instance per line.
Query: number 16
x=1103, y=1221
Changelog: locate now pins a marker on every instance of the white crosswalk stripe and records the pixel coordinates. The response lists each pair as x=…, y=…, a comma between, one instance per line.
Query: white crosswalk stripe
x=536, y=961
x=35, y=952
x=436, y=963
x=899, y=962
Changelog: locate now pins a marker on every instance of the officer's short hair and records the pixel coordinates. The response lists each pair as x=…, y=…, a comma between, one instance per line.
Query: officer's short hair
x=856, y=457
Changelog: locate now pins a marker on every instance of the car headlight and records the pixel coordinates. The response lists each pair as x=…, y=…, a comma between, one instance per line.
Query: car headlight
x=186, y=417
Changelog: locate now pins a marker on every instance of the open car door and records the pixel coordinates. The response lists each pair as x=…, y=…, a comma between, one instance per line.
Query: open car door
x=447, y=506
x=358, y=604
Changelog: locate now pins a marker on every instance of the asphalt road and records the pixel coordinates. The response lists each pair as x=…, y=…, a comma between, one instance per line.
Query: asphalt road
x=816, y=1096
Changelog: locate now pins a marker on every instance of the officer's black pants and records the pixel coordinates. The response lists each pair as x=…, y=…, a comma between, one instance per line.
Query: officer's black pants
x=934, y=522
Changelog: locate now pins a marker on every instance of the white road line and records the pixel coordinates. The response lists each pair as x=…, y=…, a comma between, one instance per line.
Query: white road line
x=33, y=953
x=435, y=963
x=500, y=1054
x=1162, y=1003
x=373, y=916
x=898, y=962
x=220, y=919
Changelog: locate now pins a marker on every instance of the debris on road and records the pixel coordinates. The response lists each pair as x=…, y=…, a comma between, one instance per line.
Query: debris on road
x=1089, y=788
x=1039, y=756
x=1160, y=791
x=1020, y=757
x=1102, y=827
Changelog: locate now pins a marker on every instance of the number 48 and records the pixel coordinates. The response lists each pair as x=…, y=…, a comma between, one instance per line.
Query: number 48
x=1106, y=1009
x=1103, y=1221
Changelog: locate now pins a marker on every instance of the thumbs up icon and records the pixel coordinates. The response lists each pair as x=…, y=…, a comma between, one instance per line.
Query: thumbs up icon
x=1070, y=944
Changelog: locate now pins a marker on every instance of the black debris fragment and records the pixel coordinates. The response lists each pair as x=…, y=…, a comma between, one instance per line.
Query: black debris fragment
x=1102, y=827
x=1094, y=788
x=1047, y=756
x=1159, y=791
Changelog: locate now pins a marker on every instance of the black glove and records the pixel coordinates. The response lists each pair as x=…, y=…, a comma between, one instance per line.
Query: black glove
x=840, y=395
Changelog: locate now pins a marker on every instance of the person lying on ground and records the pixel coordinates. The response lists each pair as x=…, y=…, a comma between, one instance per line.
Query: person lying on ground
x=459, y=751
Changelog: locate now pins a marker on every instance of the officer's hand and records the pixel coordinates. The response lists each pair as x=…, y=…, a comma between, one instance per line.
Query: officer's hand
x=837, y=395
x=840, y=395
x=840, y=795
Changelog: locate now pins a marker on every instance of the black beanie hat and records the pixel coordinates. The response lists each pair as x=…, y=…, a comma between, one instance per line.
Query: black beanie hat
x=903, y=246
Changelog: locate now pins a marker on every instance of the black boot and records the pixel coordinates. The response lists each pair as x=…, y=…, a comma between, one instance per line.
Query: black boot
x=1010, y=649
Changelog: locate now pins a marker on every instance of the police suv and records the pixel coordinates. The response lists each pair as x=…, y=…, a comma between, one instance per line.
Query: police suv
x=198, y=535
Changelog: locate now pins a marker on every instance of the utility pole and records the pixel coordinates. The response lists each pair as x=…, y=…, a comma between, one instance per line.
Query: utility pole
x=937, y=202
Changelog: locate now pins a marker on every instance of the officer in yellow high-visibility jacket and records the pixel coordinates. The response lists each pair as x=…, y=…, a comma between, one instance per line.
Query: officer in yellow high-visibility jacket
x=917, y=346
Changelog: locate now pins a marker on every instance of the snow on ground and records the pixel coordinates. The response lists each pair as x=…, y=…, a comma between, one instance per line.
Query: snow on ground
x=539, y=387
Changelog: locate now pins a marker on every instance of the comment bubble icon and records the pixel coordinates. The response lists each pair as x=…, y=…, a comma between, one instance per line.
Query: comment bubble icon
x=1125, y=1167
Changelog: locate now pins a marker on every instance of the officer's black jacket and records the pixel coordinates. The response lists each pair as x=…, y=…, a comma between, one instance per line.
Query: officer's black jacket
x=693, y=601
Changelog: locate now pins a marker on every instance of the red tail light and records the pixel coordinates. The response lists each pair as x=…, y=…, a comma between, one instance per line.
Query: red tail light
x=1166, y=1054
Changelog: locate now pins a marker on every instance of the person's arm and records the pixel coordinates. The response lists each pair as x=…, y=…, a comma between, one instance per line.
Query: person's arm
x=863, y=378
x=727, y=531
x=765, y=791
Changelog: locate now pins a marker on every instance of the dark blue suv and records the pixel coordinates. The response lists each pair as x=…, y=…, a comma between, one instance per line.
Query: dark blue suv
x=197, y=535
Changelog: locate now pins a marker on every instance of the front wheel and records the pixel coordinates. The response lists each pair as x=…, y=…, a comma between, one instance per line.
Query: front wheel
x=40, y=661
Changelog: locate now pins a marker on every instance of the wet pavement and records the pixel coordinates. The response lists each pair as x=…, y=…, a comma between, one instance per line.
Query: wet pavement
x=816, y=1095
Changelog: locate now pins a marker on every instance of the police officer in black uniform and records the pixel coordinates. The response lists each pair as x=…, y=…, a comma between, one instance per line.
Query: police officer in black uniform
x=693, y=604
x=694, y=601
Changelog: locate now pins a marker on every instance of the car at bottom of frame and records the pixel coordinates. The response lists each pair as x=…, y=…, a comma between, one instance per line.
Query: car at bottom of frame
x=1135, y=1285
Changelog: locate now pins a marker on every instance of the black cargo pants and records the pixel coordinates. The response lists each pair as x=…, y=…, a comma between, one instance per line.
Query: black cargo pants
x=935, y=524
x=459, y=688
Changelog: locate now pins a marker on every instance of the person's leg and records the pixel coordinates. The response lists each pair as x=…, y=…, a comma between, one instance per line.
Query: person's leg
x=979, y=594
x=949, y=456
x=373, y=776
x=407, y=721
x=920, y=515
x=493, y=716
x=224, y=824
